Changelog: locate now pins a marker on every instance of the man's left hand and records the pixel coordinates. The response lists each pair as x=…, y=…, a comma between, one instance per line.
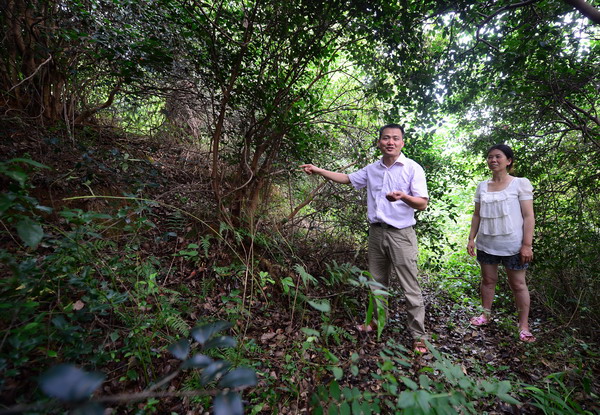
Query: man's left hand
x=395, y=195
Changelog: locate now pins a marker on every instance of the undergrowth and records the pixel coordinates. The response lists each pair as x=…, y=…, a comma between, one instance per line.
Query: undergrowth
x=84, y=287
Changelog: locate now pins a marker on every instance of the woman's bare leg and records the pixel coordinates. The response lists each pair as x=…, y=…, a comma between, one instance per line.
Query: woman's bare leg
x=489, y=279
x=518, y=285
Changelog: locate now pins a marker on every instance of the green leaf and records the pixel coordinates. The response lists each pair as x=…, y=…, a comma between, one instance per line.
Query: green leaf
x=180, y=349
x=338, y=373
x=508, y=399
x=370, y=310
x=334, y=390
x=69, y=383
x=357, y=409
x=197, y=361
x=45, y=209
x=221, y=341
x=28, y=161
x=5, y=202
x=424, y=382
x=423, y=398
x=406, y=399
x=240, y=377
x=409, y=383
x=306, y=277
x=204, y=332
x=322, y=305
x=347, y=392
x=228, y=403
x=17, y=175
x=310, y=332
x=30, y=232
x=214, y=371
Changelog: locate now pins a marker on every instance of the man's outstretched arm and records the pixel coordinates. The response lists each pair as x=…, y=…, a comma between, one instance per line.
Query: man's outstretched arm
x=329, y=175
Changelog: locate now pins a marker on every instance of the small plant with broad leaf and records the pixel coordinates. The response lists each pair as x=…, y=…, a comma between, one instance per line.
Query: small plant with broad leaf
x=18, y=209
x=556, y=397
x=378, y=302
x=75, y=387
x=442, y=388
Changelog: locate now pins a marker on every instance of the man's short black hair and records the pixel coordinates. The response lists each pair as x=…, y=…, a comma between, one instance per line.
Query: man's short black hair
x=401, y=128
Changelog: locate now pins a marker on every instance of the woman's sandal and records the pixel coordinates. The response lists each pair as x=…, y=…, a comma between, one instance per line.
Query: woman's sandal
x=419, y=346
x=526, y=336
x=482, y=320
x=366, y=328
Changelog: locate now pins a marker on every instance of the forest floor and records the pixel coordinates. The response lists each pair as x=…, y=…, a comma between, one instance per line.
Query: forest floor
x=270, y=329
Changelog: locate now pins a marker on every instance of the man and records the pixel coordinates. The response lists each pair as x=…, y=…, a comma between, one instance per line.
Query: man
x=396, y=187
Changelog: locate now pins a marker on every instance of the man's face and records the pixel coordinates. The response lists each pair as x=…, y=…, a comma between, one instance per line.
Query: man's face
x=391, y=142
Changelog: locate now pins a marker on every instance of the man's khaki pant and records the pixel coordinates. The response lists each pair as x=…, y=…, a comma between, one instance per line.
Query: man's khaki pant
x=394, y=252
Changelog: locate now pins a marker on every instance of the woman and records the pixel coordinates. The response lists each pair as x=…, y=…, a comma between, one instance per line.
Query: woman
x=503, y=222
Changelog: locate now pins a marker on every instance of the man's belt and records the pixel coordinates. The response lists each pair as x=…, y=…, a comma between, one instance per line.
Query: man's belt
x=383, y=225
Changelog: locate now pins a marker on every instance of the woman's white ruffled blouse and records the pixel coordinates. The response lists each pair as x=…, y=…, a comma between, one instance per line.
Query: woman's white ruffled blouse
x=501, y=225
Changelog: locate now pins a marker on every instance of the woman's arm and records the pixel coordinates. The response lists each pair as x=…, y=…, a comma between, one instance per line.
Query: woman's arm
x=474, y=228
x=526, y=250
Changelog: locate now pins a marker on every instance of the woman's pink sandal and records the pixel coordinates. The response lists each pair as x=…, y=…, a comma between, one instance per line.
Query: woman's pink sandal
x=366, y=328
x=526, y=336
x=479, y=321
x=419, y=346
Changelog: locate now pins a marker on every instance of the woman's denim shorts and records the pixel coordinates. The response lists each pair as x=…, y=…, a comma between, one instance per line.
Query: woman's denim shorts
x=509, y=262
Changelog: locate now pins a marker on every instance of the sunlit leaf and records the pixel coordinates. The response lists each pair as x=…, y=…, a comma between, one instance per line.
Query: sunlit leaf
x=322, y=305
x=310, y=332
x=338, y=373
x=508, y=399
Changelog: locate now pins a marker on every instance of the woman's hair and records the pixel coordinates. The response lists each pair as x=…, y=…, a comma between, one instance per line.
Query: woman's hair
x=507, y=152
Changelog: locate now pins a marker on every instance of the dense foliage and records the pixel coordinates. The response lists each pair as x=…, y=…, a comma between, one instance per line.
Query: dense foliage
x=241, y=92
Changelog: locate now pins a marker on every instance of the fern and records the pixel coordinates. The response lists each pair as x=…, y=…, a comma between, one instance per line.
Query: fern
x=176, y=222
x=205, y=244
x=337, y=332
x=306, y=277
x=176, y=323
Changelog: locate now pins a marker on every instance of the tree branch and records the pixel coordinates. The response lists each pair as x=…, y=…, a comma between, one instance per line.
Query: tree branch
x=312, y=195
x=91, y=111
x=586, y=9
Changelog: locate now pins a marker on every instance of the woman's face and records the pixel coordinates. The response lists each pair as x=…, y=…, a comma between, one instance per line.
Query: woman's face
x=497, y=160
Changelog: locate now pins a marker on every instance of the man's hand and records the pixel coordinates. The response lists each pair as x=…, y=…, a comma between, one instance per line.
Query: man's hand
x=310, y=169
x=415, y=202
x=329, y=175
x=395, y=196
